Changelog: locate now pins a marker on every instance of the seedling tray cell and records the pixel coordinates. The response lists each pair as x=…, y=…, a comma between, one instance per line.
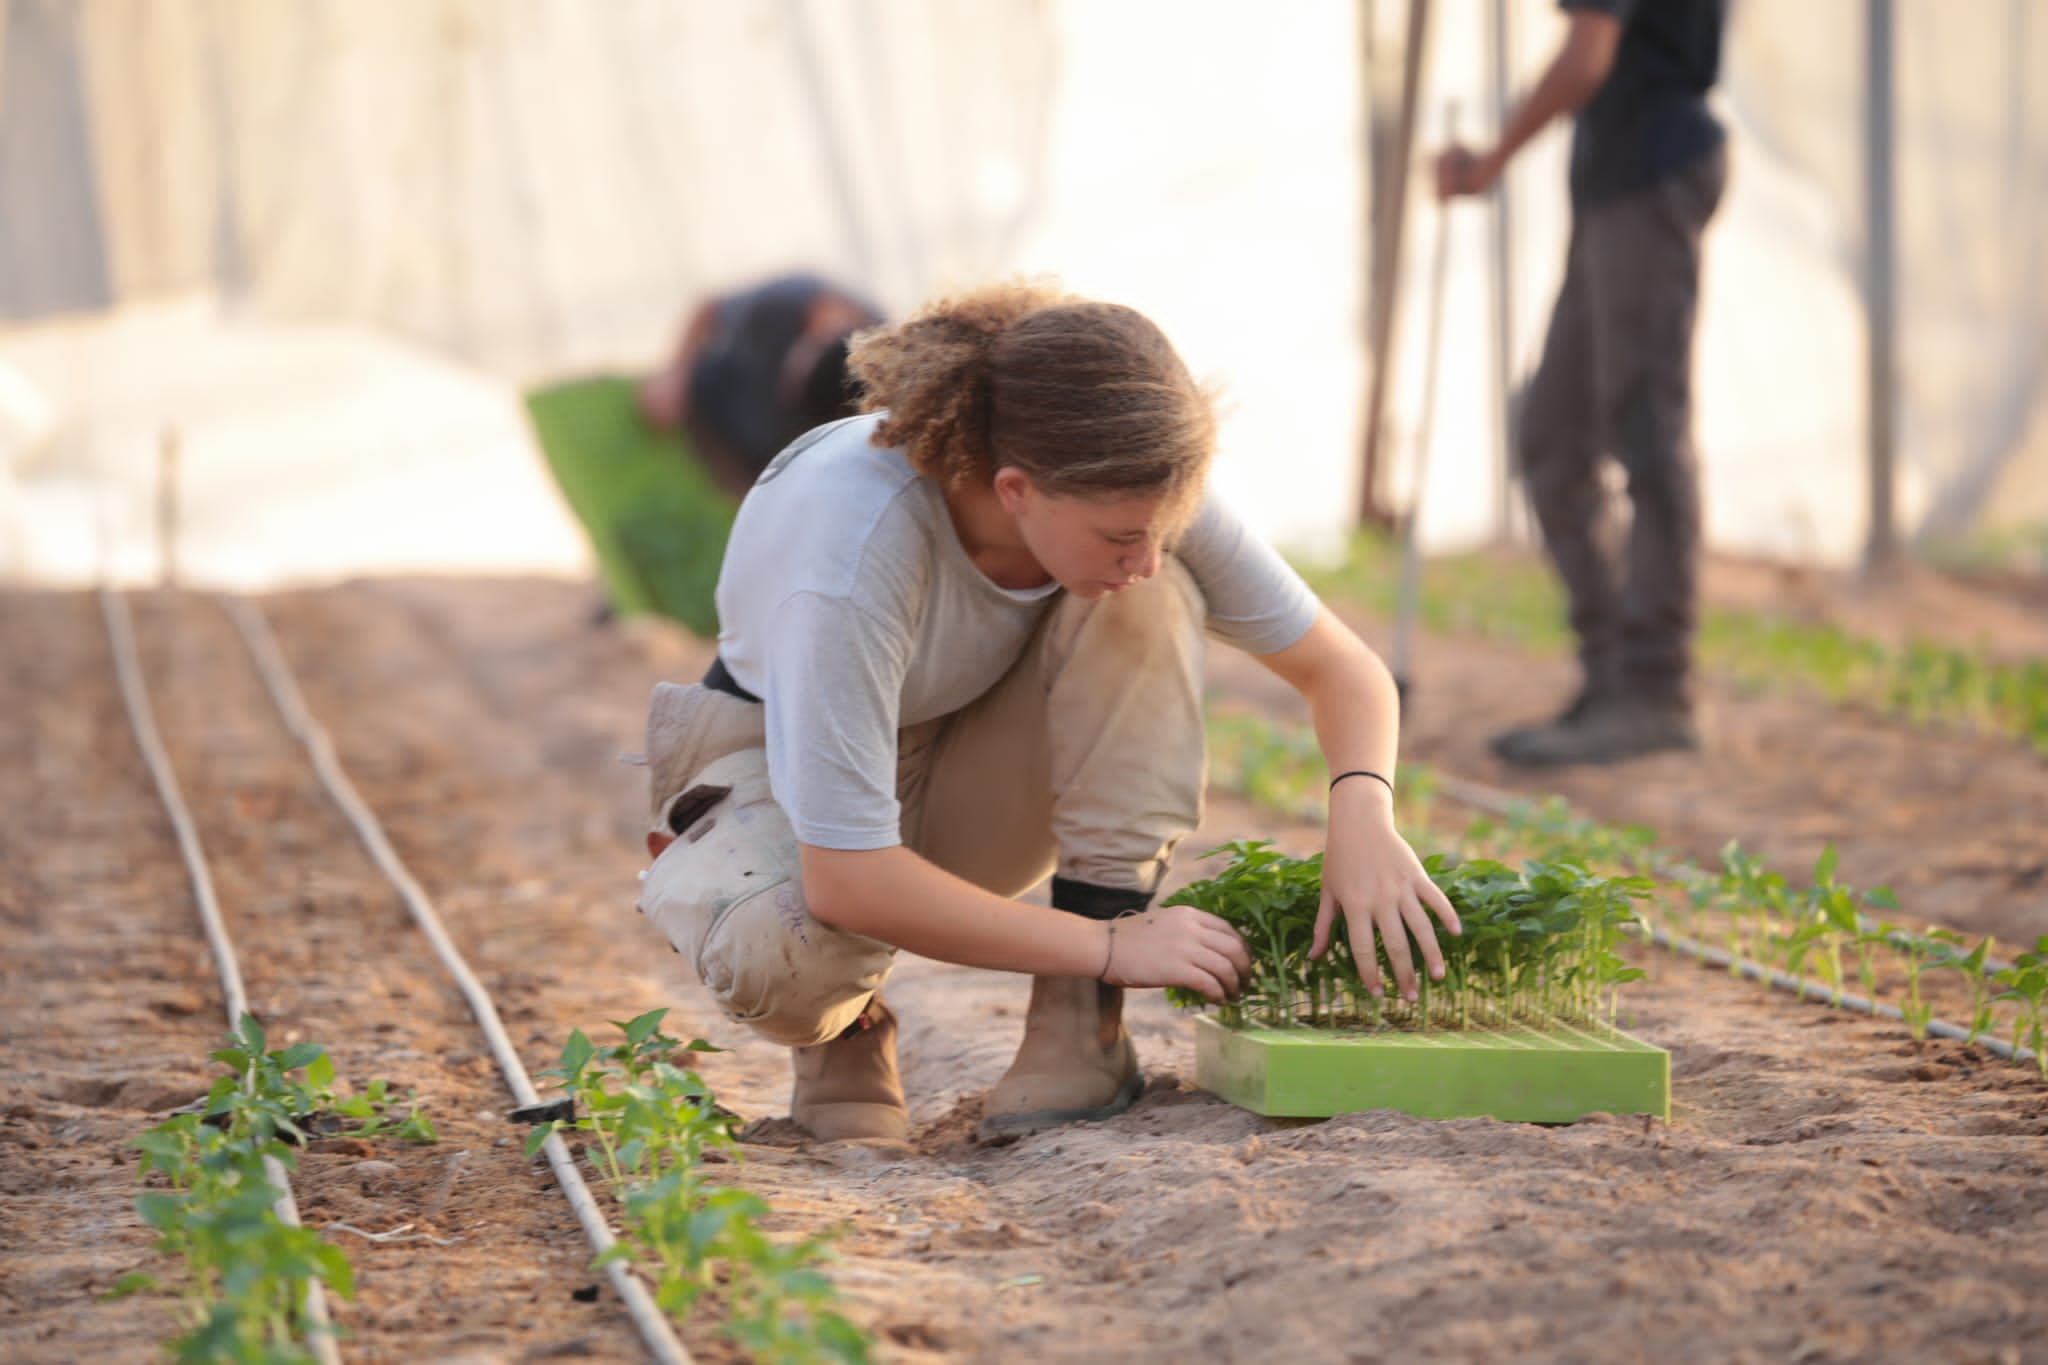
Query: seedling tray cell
x=1551, y=1075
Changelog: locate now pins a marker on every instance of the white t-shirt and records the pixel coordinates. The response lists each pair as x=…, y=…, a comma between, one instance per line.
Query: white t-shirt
x=848, y=605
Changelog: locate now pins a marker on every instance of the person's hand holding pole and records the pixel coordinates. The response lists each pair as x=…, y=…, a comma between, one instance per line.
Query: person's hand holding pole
x=1462, y=171
x=1573, y=76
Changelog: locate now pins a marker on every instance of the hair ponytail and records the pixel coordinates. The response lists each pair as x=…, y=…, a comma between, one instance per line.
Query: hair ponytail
x=1087, y=398
x=933, y=374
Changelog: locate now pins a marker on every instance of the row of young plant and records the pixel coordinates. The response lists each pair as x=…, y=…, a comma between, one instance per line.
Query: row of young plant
x=243, y=1271
x=1537, y=946
x=1814, y=932
x=1755, y=913
x=1922, y=682
x=648, y=1124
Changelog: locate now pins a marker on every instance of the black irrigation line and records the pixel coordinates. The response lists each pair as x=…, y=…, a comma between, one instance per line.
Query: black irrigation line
x=1497, y=802
x=1814, y=990
x=248, y=619
x=141, y=719
x=654, y=1327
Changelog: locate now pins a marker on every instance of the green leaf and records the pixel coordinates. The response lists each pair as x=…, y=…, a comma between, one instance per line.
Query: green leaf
x=134, y=1282
x=320, y=1072
x=252, y=1035
x=1824, y=870
x=335, y=1270
x=538, y=1138
x=642, y=1028
x=299, y=1055
x=576, y=1053
x=161, y=1211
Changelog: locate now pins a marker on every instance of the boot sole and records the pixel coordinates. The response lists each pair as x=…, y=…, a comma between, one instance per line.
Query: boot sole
x=1007, y=1128
x=1618, y=754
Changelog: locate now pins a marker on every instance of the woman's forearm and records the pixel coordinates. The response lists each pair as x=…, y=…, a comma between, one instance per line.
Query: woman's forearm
x=1351, y=697
x=893, y=895
x=1356, y=712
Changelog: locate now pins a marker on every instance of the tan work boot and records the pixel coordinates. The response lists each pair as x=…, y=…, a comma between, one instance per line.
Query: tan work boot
x=1076, y=1062
x=849, y=1087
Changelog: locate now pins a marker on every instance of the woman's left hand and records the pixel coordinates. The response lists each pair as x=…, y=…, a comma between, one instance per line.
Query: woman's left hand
x=1375, y=880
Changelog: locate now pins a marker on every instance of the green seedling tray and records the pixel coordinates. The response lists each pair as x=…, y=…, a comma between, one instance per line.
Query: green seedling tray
x=1552, y=1075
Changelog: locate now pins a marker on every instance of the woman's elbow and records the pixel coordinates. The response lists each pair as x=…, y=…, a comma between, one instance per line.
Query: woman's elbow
x=831, y=908
x=831, y=896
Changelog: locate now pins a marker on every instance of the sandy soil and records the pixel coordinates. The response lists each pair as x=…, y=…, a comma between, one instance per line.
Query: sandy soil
x=1826, y=1190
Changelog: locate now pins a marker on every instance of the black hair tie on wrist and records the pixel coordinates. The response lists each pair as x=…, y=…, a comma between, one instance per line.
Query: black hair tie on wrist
x=1362, y=772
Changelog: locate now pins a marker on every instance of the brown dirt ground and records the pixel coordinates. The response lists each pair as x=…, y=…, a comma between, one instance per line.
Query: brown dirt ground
x=1825, y=1191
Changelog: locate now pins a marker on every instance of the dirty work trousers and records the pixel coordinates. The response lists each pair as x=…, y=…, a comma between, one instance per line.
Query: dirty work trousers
x=1616, y=380
x=1085, y=760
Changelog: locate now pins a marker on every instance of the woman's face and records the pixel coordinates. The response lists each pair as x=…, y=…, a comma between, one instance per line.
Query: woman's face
x=1092, y=547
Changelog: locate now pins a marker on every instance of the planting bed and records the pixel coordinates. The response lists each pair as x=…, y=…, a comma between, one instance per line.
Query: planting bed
x=1825, y=1189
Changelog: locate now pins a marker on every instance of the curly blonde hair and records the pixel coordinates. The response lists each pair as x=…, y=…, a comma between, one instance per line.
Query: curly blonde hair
x=1089, y=399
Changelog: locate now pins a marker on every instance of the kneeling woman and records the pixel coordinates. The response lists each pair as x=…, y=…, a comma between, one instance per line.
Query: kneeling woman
x=961, y=647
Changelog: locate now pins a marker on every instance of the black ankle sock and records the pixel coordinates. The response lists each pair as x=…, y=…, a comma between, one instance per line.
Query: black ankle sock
x=1090, y=901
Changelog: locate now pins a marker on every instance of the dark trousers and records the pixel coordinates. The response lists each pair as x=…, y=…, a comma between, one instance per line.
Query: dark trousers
x=1616, y=381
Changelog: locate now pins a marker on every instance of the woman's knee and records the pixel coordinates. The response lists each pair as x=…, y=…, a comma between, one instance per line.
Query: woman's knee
x=729, y=897
x=775, y=967
x=1128, y=625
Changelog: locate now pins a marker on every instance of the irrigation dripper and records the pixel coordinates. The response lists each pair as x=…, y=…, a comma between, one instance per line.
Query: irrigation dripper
x=545, y=1111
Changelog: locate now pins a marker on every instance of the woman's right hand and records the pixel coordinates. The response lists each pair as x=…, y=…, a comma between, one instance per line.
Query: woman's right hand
x=1177, y=945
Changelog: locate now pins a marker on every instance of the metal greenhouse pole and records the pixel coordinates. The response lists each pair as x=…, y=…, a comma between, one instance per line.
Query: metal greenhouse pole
x=1500, y=44
x=1389, y=198
x=1881, y=549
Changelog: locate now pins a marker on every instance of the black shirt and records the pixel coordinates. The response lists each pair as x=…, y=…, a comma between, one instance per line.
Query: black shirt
x=736, y=384
x=1650, y=118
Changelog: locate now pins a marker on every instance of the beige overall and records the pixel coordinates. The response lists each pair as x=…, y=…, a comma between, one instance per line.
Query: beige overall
x=1086, y=759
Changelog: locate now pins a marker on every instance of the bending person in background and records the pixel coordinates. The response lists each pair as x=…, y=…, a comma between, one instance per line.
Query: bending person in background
x=961, y=647
x=755, y=369
x=1649, y=162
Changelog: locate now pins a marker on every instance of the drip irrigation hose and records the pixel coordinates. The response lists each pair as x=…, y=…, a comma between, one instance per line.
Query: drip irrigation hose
x=284, y=693
x=1496, y=802
x=1814, y=990
x=135, y=697
x=1502, y=803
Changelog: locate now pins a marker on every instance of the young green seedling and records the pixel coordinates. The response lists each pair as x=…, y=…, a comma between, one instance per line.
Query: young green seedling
x=1538, y=943
x=1957, y=955
x=1753, y=911
x=245, y=1271
x=1916, y=953
x=2026, y=985
x=652, y=1123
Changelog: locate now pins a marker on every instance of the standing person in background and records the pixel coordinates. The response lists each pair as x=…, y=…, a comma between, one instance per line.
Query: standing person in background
x=1649, y=162
x=755, y=369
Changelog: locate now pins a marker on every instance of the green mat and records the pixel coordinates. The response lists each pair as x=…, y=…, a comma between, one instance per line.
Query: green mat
x=656, y=522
